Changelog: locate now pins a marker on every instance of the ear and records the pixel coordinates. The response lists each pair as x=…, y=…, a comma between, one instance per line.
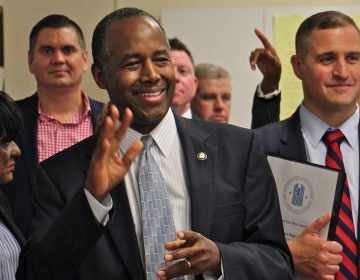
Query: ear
x=98, y=76
x=30, y=61
x=86, y=59
x=296, y=65
x=196, y=81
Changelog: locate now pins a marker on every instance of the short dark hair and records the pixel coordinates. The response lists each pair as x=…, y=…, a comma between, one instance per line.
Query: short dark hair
x=100, y=50
x=319, y=21
x=55, y=21
x=177, y=45
x=10, y=119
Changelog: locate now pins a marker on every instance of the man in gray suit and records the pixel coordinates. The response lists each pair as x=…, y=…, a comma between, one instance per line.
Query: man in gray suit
x=89, y=200
x=327, y=61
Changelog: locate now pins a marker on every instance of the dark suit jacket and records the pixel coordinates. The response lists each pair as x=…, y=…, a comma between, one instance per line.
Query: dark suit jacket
x=19, y=190
x=265, y=111
x=233, y=202
x=285, y=139
x=6, y=217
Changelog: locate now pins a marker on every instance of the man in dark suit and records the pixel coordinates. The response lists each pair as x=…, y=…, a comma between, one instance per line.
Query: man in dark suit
x=59, y=114
x=327, y=61
x=89, y=199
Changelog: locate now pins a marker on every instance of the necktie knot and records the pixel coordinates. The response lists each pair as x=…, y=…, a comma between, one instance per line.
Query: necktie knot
x=148, y=141
x=332, y=136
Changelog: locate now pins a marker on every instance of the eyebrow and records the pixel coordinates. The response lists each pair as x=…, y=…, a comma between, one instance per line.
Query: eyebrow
x=46, y=46
x=138, y=55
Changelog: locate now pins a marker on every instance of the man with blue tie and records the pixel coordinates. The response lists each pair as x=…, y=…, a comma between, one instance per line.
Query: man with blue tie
x=325, y=130
x=106, y=212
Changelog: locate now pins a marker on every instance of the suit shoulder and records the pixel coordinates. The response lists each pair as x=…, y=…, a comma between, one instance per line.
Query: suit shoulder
x=72, y=153
x=27, y=101
x=218, y=127
x=274, y=127
x=221, y=132
x=97, y=103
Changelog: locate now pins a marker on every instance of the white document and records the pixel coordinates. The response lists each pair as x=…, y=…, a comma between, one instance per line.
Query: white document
x=306, y=191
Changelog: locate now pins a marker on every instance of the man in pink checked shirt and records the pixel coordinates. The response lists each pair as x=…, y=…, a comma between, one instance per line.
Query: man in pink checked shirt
x=59, y=114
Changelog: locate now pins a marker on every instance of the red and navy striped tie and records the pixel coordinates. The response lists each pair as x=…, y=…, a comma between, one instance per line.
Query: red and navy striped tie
x=345, y=232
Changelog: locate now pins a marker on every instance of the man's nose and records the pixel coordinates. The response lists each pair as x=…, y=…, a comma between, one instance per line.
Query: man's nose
x=219, y=103
x=341, y=69
x=149, y=72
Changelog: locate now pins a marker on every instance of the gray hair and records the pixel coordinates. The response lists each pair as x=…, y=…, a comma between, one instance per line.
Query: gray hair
x=210, y=71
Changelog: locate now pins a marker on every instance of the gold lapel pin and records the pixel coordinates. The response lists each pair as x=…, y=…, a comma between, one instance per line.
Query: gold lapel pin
x=201, y=156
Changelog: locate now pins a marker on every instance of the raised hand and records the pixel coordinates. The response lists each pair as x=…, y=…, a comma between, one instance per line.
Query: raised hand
x=268, y=62
x=107, y=168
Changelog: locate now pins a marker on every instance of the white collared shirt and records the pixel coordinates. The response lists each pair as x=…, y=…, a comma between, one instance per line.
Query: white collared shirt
x=313, y=130
x=187, y=114
x=9, y=253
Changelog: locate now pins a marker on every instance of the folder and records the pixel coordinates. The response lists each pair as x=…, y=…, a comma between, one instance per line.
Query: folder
x=306, y=191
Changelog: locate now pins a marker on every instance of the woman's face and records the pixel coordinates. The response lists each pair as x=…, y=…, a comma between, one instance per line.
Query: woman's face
x=8, y=152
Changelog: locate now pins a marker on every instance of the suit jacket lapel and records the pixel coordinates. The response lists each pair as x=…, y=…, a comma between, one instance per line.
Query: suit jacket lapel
x=121, y=227
x=6, y=217
x=28, y=137
x=200, y=159
x=95, y=112
x=291, y=142
x=122, y=231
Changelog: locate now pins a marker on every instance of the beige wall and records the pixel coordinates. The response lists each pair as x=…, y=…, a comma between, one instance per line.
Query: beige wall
x=155, y=6
x=19, y=18
x=21, y=15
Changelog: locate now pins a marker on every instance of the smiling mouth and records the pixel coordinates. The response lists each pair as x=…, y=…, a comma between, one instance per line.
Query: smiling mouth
x=340, y=85
x=150, y=94
x=149, y=91
x=58, y=71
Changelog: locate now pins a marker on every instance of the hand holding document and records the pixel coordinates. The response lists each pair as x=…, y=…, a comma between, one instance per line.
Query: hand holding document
x=306, y=191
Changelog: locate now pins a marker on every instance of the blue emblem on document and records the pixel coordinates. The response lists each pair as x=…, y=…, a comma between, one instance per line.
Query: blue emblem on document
x=298, y=195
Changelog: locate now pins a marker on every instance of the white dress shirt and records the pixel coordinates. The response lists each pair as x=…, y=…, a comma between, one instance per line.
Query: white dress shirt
x=313, y=130
x=187, y=114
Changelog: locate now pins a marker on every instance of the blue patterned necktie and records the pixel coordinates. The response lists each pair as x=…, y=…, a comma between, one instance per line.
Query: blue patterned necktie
x=156, y=213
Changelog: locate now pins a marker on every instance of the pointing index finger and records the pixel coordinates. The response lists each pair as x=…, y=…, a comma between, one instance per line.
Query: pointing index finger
x=263, y=39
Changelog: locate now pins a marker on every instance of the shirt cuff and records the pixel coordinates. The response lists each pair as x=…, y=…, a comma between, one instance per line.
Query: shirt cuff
x=270, y=95
x=100, y=210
